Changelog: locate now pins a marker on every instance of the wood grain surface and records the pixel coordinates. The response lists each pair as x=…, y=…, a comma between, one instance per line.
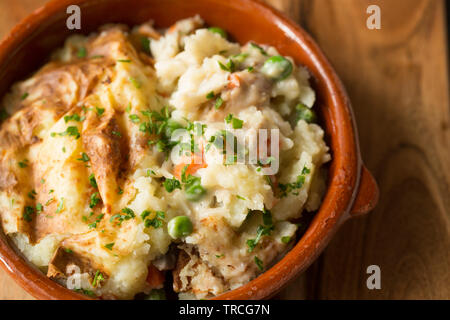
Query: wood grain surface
x=397, y=79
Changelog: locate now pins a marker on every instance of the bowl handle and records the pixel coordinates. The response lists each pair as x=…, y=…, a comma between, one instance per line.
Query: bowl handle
x=367, y=196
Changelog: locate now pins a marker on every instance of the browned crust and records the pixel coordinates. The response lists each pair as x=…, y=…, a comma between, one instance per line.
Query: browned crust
x=182, y=260
x=64, y=258
x=105, y=151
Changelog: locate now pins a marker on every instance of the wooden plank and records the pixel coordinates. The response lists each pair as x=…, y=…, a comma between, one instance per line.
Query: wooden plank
x=398, y=83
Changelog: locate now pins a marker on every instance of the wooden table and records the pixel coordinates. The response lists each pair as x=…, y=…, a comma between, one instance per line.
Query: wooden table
x=397, y=79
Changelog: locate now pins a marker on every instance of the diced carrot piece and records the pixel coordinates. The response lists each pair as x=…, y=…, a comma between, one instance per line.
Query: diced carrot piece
x=155, y=278
x=234, y=81
x=172, y=28
x=191, y=169
x=194, y=163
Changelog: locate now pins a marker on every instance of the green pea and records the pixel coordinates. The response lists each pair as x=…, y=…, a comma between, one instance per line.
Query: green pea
x=179, y=227
x=219, y=31
x=156, y=294
x=277, y=68
x=304, y=113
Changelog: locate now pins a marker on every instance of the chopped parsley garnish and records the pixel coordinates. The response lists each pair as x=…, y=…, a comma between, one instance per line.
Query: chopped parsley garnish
x=192, y=185
x=128, y=212
x=293, y=188
x=262, y=230
x=260, y=49
x=259, y=263
x=134, y=118
x=250, y=69
x=32, y=194
x=218, y=103
x=24, y=96
x=84, y=157
x=210, y=95
x=218, y=256
x=145, y=43
x=70, y=131
x=96, y=222
x=23, y=163
x=235, y=122
x=135, y=82
x=286, y=240
x=145, y=214
x=240, y=57
x=27, y=214
x=124, y=60
x=98, y=278
x=171, y=184
x=86, y=292
x=68, y=250
x=82, y=52
x=60, y=206
x=229, y=67
x=99, y=111
x=267, y=218
x=85, y=109
x=306, y=170
x=155, y=222
x=109, y=246
x=127, y=215
x=241, y=198
x=266, y=161
x=39, y=207
x=117, y=133
x=158, y=123
x=95, y=199
x=120, y=191
x=73, y=117
x=92, y=181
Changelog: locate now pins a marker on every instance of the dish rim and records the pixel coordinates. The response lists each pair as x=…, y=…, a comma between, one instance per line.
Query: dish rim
x=343, y=186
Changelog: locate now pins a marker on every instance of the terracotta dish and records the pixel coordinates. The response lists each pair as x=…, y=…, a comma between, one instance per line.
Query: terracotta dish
x=351, y=190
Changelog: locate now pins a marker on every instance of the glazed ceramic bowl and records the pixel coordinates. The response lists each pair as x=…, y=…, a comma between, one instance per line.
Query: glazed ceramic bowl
x=351, y=188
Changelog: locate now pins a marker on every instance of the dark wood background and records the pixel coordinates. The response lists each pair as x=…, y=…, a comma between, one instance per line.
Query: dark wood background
x=398, y=82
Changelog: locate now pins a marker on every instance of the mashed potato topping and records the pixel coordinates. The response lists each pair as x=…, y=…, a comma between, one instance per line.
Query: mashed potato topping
x=99, y=191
